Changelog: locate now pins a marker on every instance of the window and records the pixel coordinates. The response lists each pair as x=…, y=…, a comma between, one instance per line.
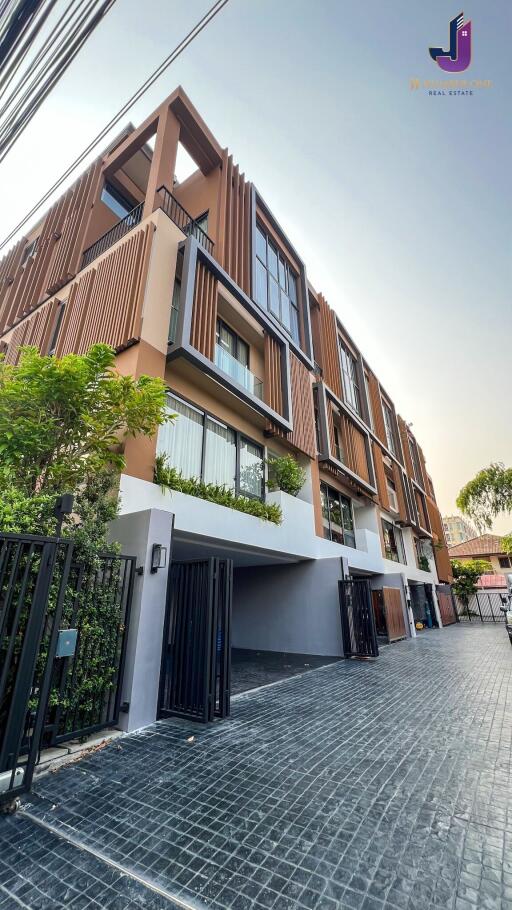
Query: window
x=175, y=309
x=393, y=499
x=337, y=516
x=349, y=377
x=505, y=562
x=30, y=250
x=388, y=424
x=415, y=461
x=368, y=399
x=116, y=202
x=317, y=419
x=230, y=342
x=202, y=222
x=276, y=284
x=202, y=447
x=58, y=322
x=393, y=542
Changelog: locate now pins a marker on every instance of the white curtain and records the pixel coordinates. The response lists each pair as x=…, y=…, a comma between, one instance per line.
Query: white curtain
x=220, y=455
x=182, y=439
x=251, y=468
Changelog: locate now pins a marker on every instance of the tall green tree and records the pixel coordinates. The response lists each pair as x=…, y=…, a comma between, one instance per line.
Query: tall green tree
x=488, y=495
x=465, y=576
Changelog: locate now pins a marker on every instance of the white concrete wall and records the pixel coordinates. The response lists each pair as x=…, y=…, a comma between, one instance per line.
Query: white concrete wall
x=293, y=608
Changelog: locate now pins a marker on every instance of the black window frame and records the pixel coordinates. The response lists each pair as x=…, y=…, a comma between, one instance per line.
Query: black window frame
x=237, y=339
x=29, y=250
x=57, y=325
x=389, y=430
x=282, y=290
x=117, y=195
x=401, y=556
x=350, y=378
x=239, y=438
x=327, y=490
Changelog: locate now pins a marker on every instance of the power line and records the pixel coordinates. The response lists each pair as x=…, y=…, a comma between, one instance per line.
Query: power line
x=183, y=44
x=47, y=65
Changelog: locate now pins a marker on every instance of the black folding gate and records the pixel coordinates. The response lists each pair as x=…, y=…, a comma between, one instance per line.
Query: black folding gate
x=33, y=577
x=357, y=618
x=196, y=659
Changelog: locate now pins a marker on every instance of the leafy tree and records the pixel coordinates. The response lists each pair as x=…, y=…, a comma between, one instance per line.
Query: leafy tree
x=64, y=420
x=286, y=474
x=487, y=495
x=465, y=576
x=507, y=544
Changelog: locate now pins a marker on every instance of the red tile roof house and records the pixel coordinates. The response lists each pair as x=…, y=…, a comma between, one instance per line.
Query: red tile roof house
x=489, y=547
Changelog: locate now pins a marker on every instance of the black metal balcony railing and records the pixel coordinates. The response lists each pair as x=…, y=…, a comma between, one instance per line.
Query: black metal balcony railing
x=113, y=235
x=183, y=220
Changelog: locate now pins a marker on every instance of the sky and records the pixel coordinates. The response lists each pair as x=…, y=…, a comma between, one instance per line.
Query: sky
x=398, y=202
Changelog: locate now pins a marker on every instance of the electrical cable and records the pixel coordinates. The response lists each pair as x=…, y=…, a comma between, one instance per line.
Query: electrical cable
x=178, y=50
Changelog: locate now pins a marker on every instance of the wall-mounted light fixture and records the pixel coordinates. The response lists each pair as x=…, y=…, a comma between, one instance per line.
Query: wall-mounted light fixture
x=158, y=557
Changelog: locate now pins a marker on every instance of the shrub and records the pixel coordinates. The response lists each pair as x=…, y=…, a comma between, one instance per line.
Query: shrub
x=424, y=564
x=168, y=478
x=285, y=474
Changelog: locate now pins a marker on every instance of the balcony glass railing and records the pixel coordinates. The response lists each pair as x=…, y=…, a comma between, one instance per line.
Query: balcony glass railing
x=240, y=373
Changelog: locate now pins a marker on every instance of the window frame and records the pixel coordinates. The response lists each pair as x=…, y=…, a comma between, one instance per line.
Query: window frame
x=29, y=250
x=506, y=560
x=123, y=201
x=282, y=290
x=325, y=489
x=391, y=488
x=237, y=339
x=389, y=429
x=399, y=541
x=350, y=378
x=57, y=325
x=239, y=438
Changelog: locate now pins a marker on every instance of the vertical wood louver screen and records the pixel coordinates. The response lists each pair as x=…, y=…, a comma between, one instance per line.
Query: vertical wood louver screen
x=57, y=258
x=272, y=383
x=423, y=521
x=204, y=312
x=380, y=477
x=376, y=406
x=423, y=467
x=355, y=449
x=441, y=555
x=235, y=248
x=331, y=368
x=404, y=437
x=400, y=493
x=303, y=435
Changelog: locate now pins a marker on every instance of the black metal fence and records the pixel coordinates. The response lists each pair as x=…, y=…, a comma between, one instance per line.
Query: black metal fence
x=357, y=618
x=63, y=632
x=196, y=658
x=484, y=606
x=33, y=579
x=86, y=686
x=175, y=211
x=131, y=220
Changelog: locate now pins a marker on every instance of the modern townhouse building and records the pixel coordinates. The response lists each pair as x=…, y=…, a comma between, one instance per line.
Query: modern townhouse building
x=196, y=282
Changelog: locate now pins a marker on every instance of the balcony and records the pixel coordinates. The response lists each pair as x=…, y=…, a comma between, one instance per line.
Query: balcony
x=240, y=373
x=181, y=218
x=131, y=220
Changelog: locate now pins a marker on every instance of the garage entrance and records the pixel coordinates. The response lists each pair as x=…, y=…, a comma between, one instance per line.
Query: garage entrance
x=422, y=603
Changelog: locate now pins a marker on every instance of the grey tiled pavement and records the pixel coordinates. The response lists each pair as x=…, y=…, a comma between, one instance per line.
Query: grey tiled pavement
x=369, y=786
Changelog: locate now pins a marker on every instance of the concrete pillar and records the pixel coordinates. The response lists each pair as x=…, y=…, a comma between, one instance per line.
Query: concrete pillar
x=412, y=627
x=137, y=532
x=436, y=607
x=163, y=162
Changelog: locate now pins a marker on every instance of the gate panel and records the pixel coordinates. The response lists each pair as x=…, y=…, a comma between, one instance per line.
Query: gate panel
x=481, y=607
x=196, y=658
x=357, y=618
x=394, y=614
x=446, y=608
x=33, y=576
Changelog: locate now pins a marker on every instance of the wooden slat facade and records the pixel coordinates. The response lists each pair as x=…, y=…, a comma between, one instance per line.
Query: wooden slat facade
x=446, y=609
x=103, y=305
x=57, y=258
x=354, y=448
x=376, y=406
x=272, y=383
x=236, y=195
x=400, y=492
x=441, y=556
x=380, y=477
x=204, y=313
x=330, y=365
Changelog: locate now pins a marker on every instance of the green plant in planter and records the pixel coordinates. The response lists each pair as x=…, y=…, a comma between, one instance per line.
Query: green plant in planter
x=285, y=474
x=423, y=563
x=168, y=478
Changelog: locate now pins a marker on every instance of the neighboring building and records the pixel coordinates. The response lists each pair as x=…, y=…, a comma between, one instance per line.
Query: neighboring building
x=457, y=529
x=196, y=282
x=487, y=546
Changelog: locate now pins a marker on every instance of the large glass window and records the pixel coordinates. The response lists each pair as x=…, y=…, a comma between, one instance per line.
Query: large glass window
x=182, y=439
x=337, y=516
x=220, y=454
x=276, y=284
x=230, y=342
x=200, y=446
x=393, y=542
x=350, y=380
x=388, y=424
x=117, y=203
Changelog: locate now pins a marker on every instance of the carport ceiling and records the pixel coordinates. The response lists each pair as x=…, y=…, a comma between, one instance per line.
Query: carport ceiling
x=188, y=547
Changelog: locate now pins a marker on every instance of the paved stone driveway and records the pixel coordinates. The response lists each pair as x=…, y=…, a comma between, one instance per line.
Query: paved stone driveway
x=358, y=785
